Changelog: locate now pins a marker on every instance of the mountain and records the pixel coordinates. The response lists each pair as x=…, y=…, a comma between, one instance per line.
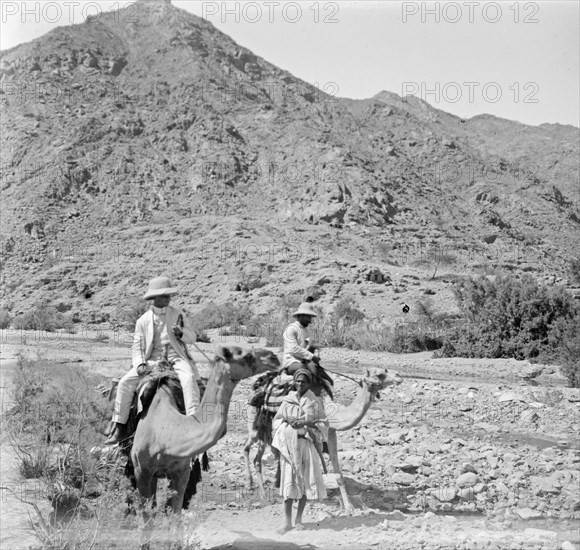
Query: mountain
x=146, y=141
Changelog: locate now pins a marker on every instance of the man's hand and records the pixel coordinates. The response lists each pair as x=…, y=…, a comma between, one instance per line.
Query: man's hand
x=295, y=422
x=143, y=369
x=312, y=347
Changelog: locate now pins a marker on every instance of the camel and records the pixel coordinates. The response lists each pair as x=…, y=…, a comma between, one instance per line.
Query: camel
x=342, y=419
x=166, y=441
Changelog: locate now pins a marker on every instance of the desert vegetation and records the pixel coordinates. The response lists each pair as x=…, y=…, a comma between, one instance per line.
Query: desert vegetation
x=518, y=318
x=55, y=423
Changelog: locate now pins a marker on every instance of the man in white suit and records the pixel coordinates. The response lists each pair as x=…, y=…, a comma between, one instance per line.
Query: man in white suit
x=160, y=333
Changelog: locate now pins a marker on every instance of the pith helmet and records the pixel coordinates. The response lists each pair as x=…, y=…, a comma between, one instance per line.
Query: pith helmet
x=160, y=286
x=305, y=309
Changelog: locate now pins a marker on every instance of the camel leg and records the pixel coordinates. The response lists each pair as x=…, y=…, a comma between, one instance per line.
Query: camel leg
x=258, y=466
x=146, y=485
x=179, y=481
x=276, y=454
x=247, y=448
x=333, y=453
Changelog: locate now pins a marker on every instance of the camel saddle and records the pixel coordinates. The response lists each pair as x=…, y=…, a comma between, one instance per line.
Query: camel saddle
x=162, y=374
x=268, y=395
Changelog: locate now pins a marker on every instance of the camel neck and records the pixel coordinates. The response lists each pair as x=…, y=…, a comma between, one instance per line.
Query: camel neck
x=350, y=416
x=214, y=407
x=193, y=435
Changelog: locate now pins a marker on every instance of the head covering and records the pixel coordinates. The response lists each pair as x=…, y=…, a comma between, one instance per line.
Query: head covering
x=305, y=308
x=160, y=286
x=303, y=371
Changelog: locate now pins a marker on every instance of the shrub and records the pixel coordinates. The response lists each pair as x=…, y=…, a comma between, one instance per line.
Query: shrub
x=5, y=318
x=41, y=317
x=348, y=327
x=508, y=317
x=574, y=271
x=346, y=311
x=58, y=420
x=128, y=312
x=215, y=316
x=569, y=351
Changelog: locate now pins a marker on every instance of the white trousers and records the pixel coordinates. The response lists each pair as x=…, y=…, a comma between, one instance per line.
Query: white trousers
x=128, y=385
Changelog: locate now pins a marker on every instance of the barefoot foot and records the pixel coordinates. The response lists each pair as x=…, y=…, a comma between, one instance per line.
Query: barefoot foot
x=284, y=529
x=299, y=526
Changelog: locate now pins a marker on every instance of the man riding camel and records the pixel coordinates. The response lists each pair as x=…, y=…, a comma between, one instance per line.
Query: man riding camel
x=297, y=347
x=160, y=335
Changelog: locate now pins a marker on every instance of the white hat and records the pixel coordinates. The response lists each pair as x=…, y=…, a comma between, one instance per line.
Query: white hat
x=160, y=286
x=305, y=308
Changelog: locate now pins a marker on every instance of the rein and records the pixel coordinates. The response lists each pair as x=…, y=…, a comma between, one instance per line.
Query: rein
x=200, y=351
x=359, y=382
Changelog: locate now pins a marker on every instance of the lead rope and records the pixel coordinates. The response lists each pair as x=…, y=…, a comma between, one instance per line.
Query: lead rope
x=344, y=375
x=200, y=351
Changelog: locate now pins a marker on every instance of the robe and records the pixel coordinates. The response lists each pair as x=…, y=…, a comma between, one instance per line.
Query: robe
x=300, y=467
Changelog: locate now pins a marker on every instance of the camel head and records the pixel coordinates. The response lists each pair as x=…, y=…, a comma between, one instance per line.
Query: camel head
x=377, y=379
x=244, y=363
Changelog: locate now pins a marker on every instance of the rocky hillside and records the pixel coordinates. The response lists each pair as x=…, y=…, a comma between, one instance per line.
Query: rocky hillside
x=147, y=141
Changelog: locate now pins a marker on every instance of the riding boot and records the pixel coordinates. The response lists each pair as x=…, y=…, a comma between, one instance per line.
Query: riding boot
x=119, y=433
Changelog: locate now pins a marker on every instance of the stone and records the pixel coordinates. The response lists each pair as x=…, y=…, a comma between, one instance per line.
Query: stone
x=396, y=515
x=479, y=488
x=397, y=436
x=433, y=448
x=445, y=494
x=467, y=494
x=468, y=479
x=487, y=426
x=401, y=478
x=414, y=461
x=528, y=513
x=528, y=416
x=511, y=396
x=545, y=485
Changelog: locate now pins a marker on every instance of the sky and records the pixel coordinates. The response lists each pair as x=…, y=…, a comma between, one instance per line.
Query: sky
x=515, y=60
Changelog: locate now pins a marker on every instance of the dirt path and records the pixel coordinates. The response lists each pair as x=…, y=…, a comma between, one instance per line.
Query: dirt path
x=511, y=424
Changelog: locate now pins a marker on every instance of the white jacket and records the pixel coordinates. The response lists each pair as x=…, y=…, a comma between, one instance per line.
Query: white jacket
x=143, y=338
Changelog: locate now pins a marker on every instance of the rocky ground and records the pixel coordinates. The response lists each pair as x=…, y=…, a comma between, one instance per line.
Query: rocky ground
x=463, y=454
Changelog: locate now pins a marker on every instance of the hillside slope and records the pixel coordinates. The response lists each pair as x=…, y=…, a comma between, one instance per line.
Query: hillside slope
x=147, y=141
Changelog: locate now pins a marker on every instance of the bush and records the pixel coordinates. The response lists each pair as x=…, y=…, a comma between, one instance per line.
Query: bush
x=574, y=271
x=228, y=314
x=5, y=318
x=349, y=328
x=508, y=317
x=42, y=317
x=569, y=351
x=54, y=424
x=130, y=311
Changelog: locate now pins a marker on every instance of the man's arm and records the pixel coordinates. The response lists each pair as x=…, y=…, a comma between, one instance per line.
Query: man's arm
x=293, y=347
x=139, y=345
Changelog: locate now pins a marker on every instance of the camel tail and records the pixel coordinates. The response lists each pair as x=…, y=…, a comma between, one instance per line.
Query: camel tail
x=205, y=462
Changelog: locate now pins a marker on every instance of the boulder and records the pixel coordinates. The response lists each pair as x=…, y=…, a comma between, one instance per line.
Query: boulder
x=401, y=478
x=467, y=467
x=545, y=485
x=445, y=494
x=468, y=479
x=511, y=396
x=528, y=513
